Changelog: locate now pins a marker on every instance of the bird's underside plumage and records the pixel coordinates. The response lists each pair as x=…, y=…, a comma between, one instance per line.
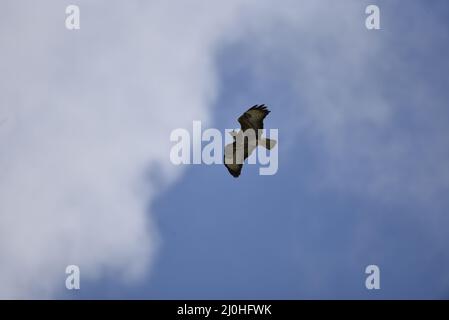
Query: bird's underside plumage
x=242, y=147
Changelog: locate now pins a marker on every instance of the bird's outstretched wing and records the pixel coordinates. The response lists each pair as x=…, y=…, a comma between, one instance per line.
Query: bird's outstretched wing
x=234, y=169
x=253, y=118
x=233, y=159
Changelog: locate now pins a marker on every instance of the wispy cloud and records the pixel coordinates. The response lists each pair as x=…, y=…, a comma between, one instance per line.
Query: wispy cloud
x=372, y=101
x=89, y=115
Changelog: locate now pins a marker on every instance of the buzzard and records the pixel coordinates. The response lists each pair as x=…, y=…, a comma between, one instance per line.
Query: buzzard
x=247, y=139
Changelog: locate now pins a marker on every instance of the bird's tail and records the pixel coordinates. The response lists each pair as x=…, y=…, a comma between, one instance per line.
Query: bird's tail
x=268, y=143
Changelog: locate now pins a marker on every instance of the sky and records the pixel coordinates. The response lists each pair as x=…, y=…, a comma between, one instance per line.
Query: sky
x=86, y=177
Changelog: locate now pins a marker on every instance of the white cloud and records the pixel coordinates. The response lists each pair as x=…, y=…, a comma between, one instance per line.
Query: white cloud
x=356, y=93
x=86, y=114
x=373, y=106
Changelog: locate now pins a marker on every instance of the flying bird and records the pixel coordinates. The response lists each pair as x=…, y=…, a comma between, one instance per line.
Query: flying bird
x=247, y=139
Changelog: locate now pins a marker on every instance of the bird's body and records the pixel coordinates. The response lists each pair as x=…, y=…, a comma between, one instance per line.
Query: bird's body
x=247, y=139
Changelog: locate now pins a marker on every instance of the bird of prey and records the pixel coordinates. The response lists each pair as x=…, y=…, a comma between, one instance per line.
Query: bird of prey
x=247, y=139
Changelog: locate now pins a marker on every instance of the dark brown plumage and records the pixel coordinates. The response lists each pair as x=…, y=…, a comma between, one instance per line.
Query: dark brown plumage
x=242, y=148
x=253, y=118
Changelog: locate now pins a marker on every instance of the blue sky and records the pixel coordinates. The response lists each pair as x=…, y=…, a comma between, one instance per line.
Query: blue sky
x=363, y=151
